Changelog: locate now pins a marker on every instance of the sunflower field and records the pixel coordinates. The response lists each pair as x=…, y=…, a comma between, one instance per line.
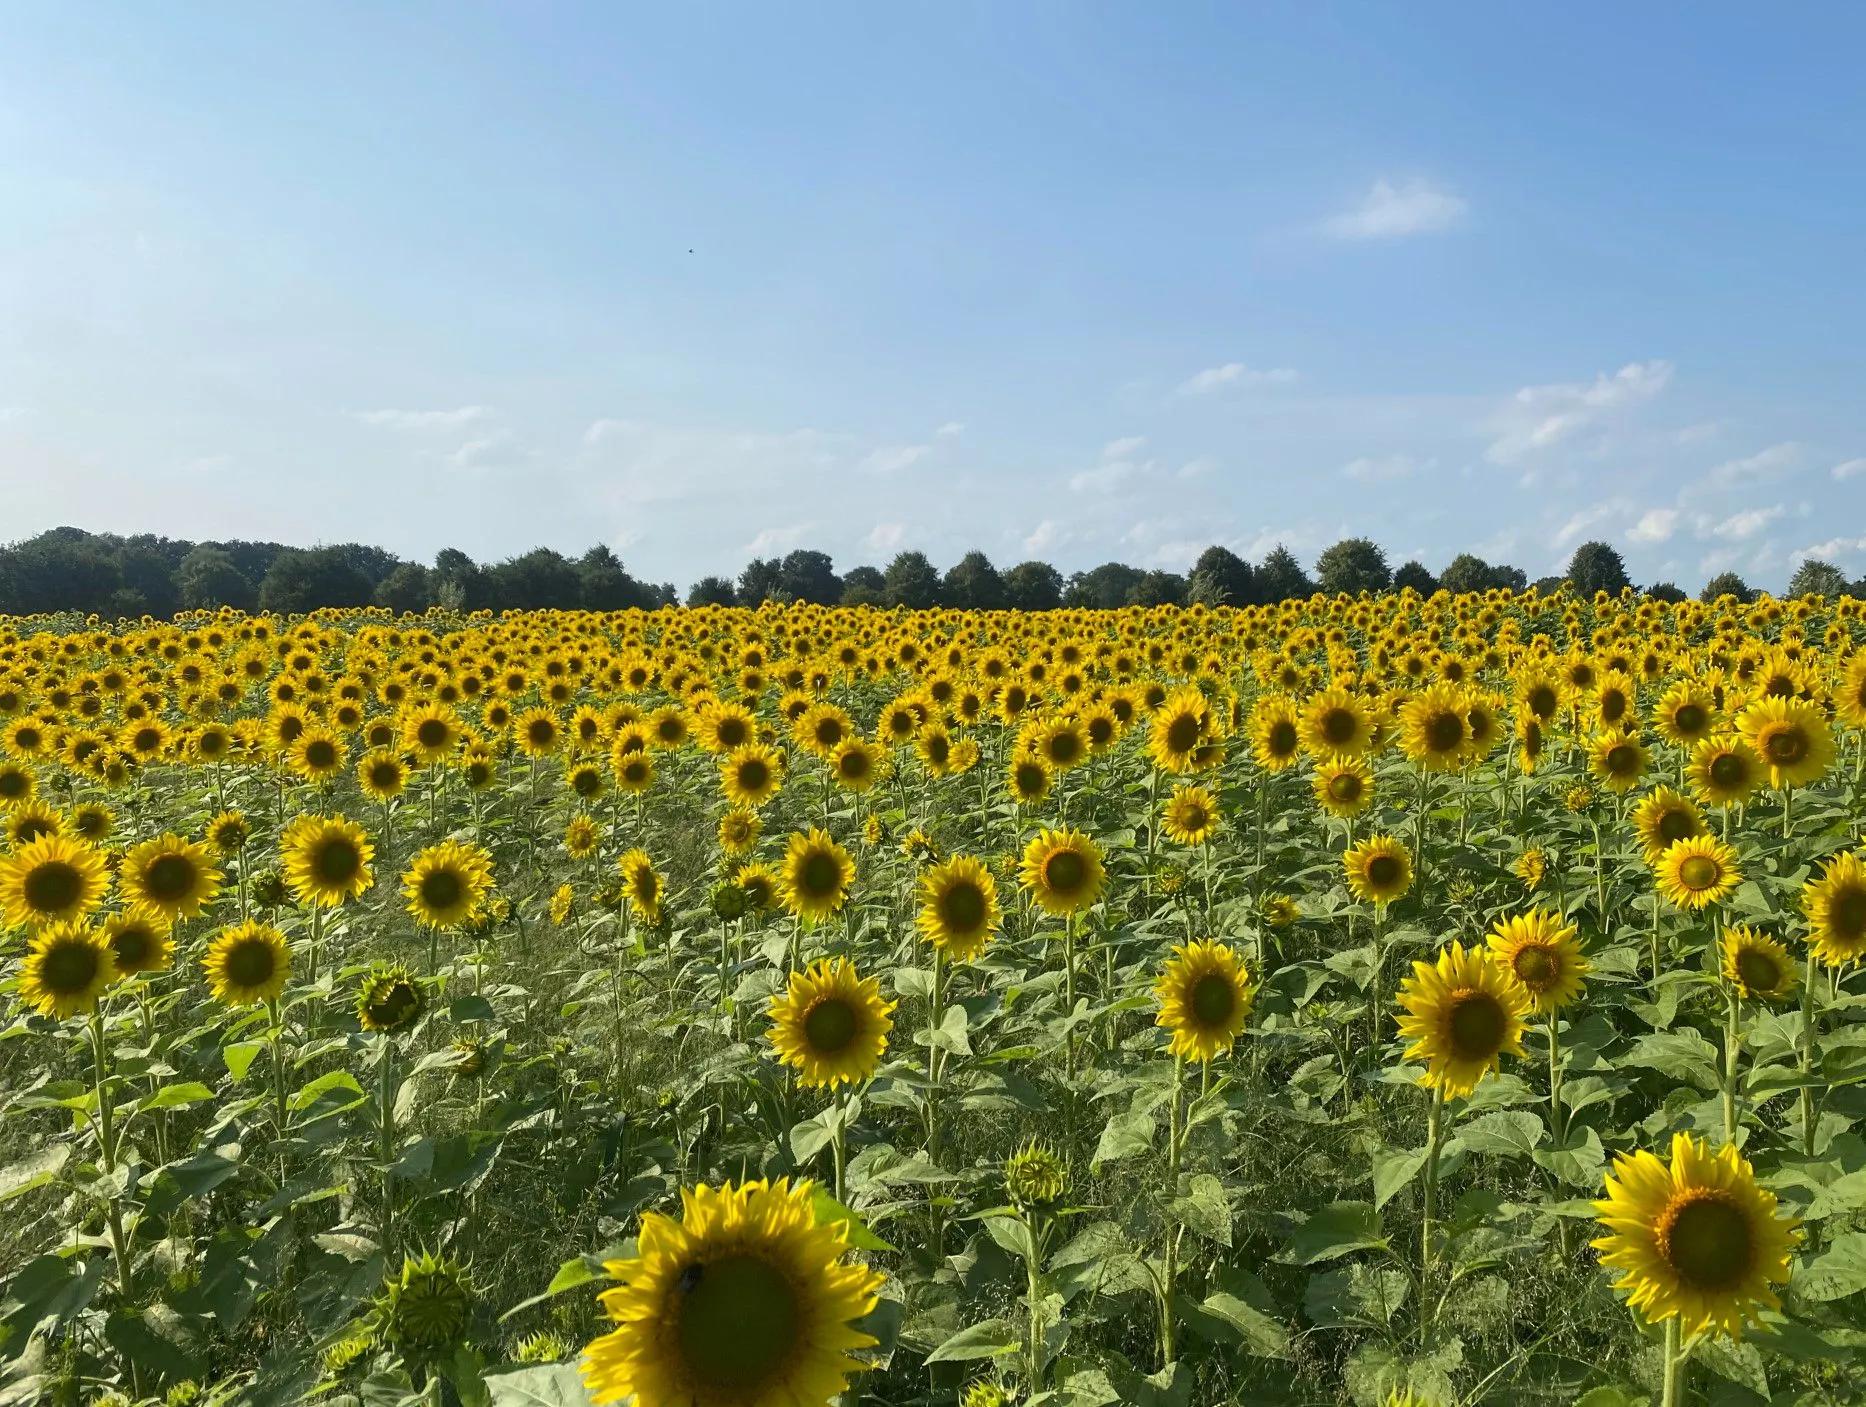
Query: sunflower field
x=1380, y=1000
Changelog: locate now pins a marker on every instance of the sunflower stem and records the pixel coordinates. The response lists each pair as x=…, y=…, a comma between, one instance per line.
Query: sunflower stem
x=1808, y=1023
x=385, y=1135
x=1174, y=1139
x=1732, y=1046
x=1433, y=1143
x=1674, y=1365
x=1555, y=1112
x=837, y=1147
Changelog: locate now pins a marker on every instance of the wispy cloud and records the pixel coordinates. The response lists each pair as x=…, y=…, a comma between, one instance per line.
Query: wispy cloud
x=893, y=458
x=1392, y=212
x=1216, y=378
x=1833, y=547
x=1588, y=519
x=1851, y=469
x=1740, y=527
x=778, y=539
x=1764, y=464
x=1656, y=525
x=1538, y=417
x=426, y=419
x=950, y=428
x=885, y=537
x=1042, y=536
x=611, y=429
x=1121, y=448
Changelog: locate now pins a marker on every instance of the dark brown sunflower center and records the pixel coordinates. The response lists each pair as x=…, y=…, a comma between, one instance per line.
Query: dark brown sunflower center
x=1338, y=726
x=69, y=968
x=1708, y=1242
x=385, y=775
x=830, y=1026
x=1344, y=786
x=1476, y=1026
x=441, y=889
x=1622, y=759
x=337, y=860
x=133, y=947
x=52, y=887
x=1213, y=1000
x=320, y=753
x=737, y=1324
x=820, y=875
x=1757, y=970
x=1383, y=870
x=13, y=785
x=1537, y=967
x=1065, y=872
x=753, y=774
x=1192, y=817
x=962, y=907
x=852, y=766
x=587, y=782
x=1443, y=732
x=1689, y=719
x=170, y=877
x=1182, y=733
x=1543, y=702
x=31, y=829
x=1848, y=912
x=1786, y=747
x=1727, y=770
x=251, y=963
x=1065, y=748
x=1283, y=740
x=1699, y=872
x=1676, y=826
x=1030, y=778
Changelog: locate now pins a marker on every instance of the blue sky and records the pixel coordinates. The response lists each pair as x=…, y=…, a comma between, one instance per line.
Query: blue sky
x=1084, y=282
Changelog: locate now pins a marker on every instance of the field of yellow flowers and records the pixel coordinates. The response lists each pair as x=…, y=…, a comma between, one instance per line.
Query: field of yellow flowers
x=1374, y=1000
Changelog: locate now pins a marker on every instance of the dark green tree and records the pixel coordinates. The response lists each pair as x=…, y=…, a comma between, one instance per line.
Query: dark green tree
x=1595, y=566
x=1033, y=586
x=761, y=581
x=1415, y=575
x=1666, y=591
x=864, y=586
x=810, y=576
x=407, y=588
x=1726, y=584
x=973, y=584
x=1817, y=578
x=1103, y=588
x=1352, y=566
x=1280, y=577
x=1221, y=578
x=207, y=579
x=542, y=579
x=1158, y=589
x=712, y=591
x=301, y=580
x=912, y=581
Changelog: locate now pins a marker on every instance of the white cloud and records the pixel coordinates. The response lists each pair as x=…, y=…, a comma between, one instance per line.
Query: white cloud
x=778, y=539
x=1589, y=518
x=1192, y=468
x=1234, y=374
x=892, y=459
x=1740, y=527
x=1366, y=470
x=1103, y=478
x=610, y=429
x=1041, y=536
x=1764, y=464
x=1390, y=212
x=1537, y=417
x=1655, y=526
x=885, y=537
x=474, y=451
x=12, y=412
x=1120, y=449
x=1832, y=548
x=1297, y=540
x=951, y=427
x=1850, y=469
x=425, y=419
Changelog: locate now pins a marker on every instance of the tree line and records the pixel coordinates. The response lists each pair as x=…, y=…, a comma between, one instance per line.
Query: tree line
x=70, y=570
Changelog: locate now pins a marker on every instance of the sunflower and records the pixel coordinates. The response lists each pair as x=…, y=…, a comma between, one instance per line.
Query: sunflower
x=1205, y=996
x=381, y=774
x=1698, y=1241
x=1191, y=816
x=326, y=859
x=745, y=1302
x=563, y=901
x=17, y=783
x=1343, y=785
x=1530, y=741
x=1435, y=728
x=831, y=1024
x=822, y=728
x=53, y=879
x=247, y=963
x=1531, y=867
x=1029, y=780
x=1335, y=723
x=1378, y=869
x=1696, y=872
x=93, y=821
x=229, y=831
x=1836, y=908
x=139, y=939
x=1792, y=738
x=581, y=837
x=390, y=998
x=585, y=780
x=760, y=883
x=1685, y=714
x=725, y=727
x=538, y=731
x=634, y=770
x=817, y=875
x=1540, y=951
x=1275, y=733
x=66, y=969
x=1850, y=697
x=1723, y=771
x=1756, y=965
x=1063, y=871
x=446, y=884
x=1662, y=818
x=1618, y=760
x=739, y=830
x=642, y=886
x=29, y=820
x=171, y=875
x=1463, y=1013
x=751, y=775
x=316, y=754
x=958, y=907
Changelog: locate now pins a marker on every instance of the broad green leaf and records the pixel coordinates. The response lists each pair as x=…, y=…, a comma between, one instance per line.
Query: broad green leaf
x=1125, y=1136
x=1740, y=1362
x=1205, y=1208
x=175, y=1096
x=240, y=1057
x=36, y=1171
x=336, y=1080
x=991, y=1339
x=1358, y=1296
x=554, y=1385
x=1336, y=1230
x=828, y=1209
x=1507, y=1133
x=1580, y=1161
x=1834, y=1273
x=1395, y=1168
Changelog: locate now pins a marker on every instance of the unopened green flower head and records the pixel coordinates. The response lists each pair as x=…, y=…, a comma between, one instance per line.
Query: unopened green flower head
x=390, y=998
x=1578, y=797
x=729, y=902
x=1034, y=1176
x=983, y=1393
x=426, y=1306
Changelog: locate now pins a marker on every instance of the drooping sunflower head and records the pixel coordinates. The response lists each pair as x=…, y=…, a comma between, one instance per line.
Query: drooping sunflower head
x=745, y=1300
x=171, y=875
x=739, y=830
x=67, y=967
x=1191, y=816
x=642, y=886
x=1205, y=997
x=53, y=879
x=1618, y=760
x=1275, y=733
x=1034, y=1177
x=1663, y=817
x=424, y=1309
x=139, y=940
x=1696, y=872
x=1540, y=951
x=1759, y=967
x=1462, y=1013
x=247, y=963
x=1697, y=1240
x=958, y=907
x=1531, y=867
x=1279, y=910
x=750, y=775
x=1343, y=785
x=326, y=859
x=1836, y=908
x=1063, y=871
x=817, y=875
x=1378, y=869
x=1791, y=736
x=831, y=1023
x=563, y=904
x=390, y=998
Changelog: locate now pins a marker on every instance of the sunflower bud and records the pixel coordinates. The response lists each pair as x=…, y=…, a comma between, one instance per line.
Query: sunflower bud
x=542, y=1347
x=984, y=1393
x=729, y=902
x=427, y=1306
x=390, y=998
x=1034, y=1176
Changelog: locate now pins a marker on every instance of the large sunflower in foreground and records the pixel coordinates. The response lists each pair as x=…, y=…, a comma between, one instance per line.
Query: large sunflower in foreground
x=1759, y=967
x=447, y=883
x=817, y=875
x=1791, y=736
x=1205, y=997
x=173, y=876
x=958, y=907
x=247, y=963
x=1836, y=908
x=1696, y=872
x=745, y=1302
x=66, y=969
x=1191, y=816
x=1539, y=950
x=1698, y=1240
x=1723, y=771
x=51, y=880
x=1463, y=1013
x=326, y=859
x=1378, y=869
x=1063, y=871
x=831, y=1023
